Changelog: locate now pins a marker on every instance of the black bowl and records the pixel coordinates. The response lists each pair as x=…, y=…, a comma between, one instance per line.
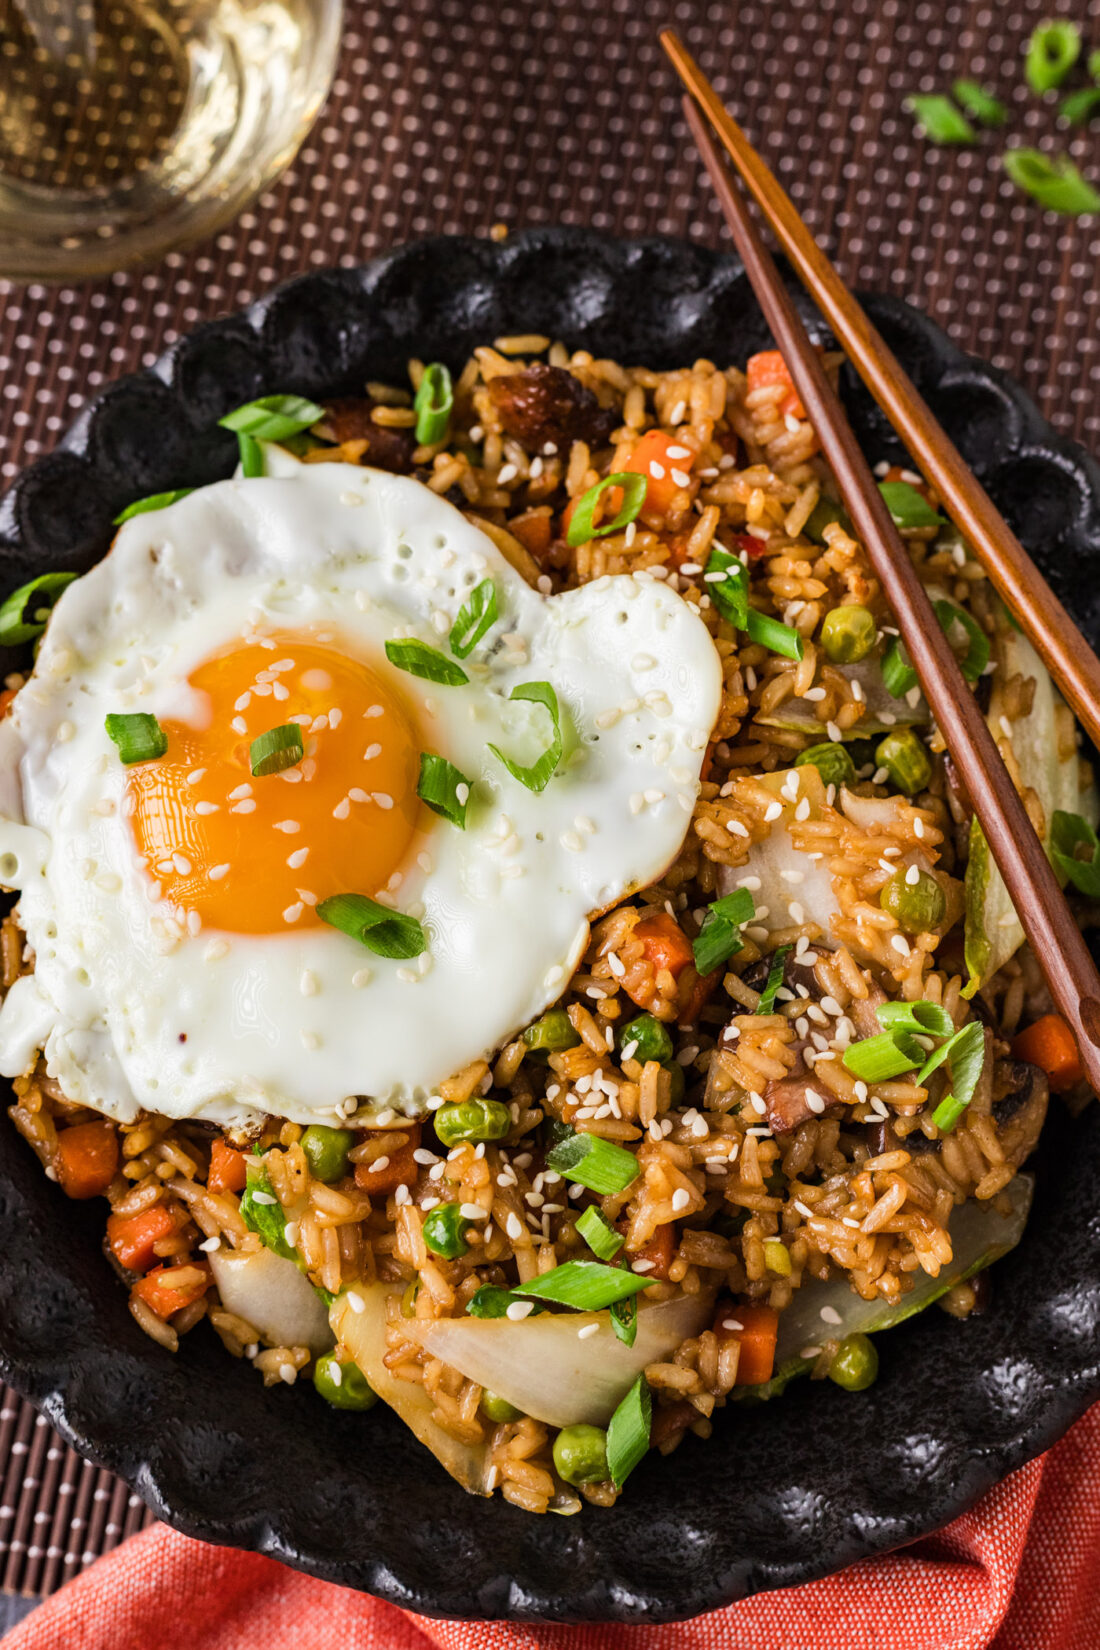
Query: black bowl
x=781, y=1493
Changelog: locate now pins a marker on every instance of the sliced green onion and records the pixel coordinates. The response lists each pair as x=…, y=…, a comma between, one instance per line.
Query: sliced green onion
x=1067, y=832
x=1080, y=106
x=624, y=1320
x=421, y=660
x=876, y=1059
x=434, y=404
x=898, y=674
x=600, y=1236
x=445, y=790
x=980, y=103
x=628, y=1432
x=588, y=1160
x=252, y=457
x=24, y=614
x=273, y=417
x=776, y=637
x=720, y=935
x=766, y=1005
x=139, y=736
x=831, y=760
x=155, y=501
x=275, y=750
x=265, y=1215
x=1053, y=181
x=730, y=594
x=491, y=1302
x=939, y=119
x=908, y=507
x=475, y=618
x=387, y=933
x=539, y=774
x=1052, y=51
x=585, y=1285
x=923, y=1018
x=965, y=1054
x=581, y=522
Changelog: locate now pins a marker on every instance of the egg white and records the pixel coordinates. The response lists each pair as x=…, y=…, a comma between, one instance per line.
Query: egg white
x=133, y=1011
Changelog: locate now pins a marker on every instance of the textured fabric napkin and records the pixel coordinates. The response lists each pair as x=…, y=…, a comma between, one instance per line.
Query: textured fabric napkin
x=1019, y=1572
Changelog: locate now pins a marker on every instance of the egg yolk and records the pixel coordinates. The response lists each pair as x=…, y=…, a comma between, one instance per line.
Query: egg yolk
x=255, y=854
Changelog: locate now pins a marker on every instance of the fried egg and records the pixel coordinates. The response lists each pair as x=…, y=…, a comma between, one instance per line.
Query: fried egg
x=173, y=906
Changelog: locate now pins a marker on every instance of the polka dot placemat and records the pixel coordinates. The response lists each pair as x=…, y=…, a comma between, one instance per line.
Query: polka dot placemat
x=457, y=115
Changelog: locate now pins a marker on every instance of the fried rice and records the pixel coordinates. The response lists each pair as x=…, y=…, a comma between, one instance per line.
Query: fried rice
x=764, y=1165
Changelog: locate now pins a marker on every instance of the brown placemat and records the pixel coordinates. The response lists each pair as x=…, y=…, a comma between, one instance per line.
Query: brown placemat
x=457, y=115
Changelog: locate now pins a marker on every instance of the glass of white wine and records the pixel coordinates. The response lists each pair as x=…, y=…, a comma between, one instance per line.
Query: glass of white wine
x=128, y=127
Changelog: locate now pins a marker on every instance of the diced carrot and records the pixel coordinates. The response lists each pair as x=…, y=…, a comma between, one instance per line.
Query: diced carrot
x=533, y=530
x=396, y=1168
x=1051, y=1045
x=767, y=369
x=693, y=991
x=897, y=473
x=157, y=1288
x=660, y=457
x=87, y=1158
x=665, y=943
x=759, y=1328
x=132, y=1237
x=6, y=699
x=228, y=1169
x=659, y=1249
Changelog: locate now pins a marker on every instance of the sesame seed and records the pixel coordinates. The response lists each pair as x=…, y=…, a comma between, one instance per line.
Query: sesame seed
x=381, y=800
x=342, y=809
x=293, y=912
x=918, y=827
x=290, y=826
x=517, y=1310
x=773, y=811
x=263, y=1197
x=657, y=471
x=900, y=944
x=195, y=775
x=589, y=1329
x=815, y=1102
x=371, y=752
x=239, y=725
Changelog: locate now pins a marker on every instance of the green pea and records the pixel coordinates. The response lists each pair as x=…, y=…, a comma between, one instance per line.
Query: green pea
x=855, y=1365
x=342, y=1383
x=327, y=1150
x=472, y=1120
x=905, y=760
x=919, y=906
x=550, y=1035
x=823, y=514
x=831, y=761
x=651, y=1040
x=445, y=1229
x=848, y=634
x=580, y=1455
x=498, y=1409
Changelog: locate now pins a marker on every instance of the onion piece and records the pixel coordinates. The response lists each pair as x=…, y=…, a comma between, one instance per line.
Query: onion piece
x=979, y=1236
x=273, y=1296
x=364, y=1335
x=775, y=854
x=549, y=1367
x=802, y=716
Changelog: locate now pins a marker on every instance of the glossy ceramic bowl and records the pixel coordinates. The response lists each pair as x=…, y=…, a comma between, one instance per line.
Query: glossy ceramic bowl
x=782, y=1492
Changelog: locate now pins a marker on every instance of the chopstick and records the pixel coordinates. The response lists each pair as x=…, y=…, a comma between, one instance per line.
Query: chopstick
x=1044, y=620
x=1055, y=938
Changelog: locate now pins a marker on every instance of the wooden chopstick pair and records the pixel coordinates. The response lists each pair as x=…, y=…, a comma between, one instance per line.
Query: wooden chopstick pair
x=1040, y=904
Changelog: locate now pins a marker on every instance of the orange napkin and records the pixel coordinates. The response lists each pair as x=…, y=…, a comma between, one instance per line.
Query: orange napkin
x=1019, y=1572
